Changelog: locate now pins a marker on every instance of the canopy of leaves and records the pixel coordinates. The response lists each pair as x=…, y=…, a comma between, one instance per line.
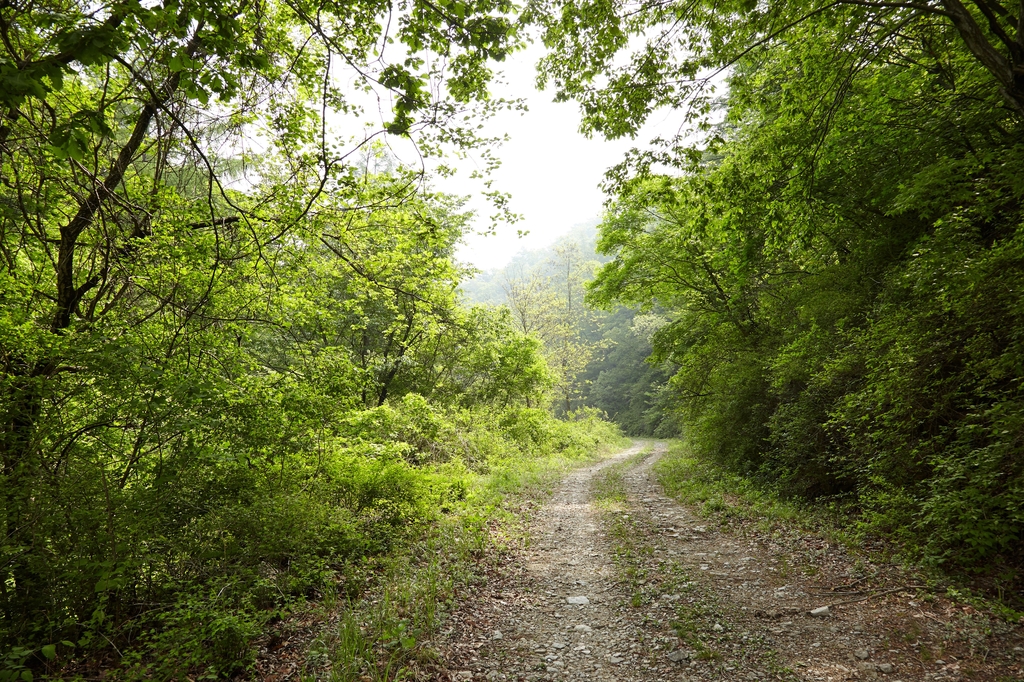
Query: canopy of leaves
x=599, y=359
x=623, y=60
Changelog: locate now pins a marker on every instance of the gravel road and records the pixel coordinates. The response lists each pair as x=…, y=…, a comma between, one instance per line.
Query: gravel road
x=646, y=590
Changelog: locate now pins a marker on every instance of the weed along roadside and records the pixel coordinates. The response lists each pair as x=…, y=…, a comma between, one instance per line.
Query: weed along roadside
x=284, y=395
x=620, y=581
x=387, y=626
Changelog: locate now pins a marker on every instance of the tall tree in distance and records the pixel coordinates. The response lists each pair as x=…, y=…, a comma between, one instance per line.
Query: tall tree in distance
x=572, y=350
x=533, y=303
x=547, y=302
x=598, y=355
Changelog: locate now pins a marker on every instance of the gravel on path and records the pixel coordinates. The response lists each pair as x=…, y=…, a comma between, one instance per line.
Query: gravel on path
x=565, y=608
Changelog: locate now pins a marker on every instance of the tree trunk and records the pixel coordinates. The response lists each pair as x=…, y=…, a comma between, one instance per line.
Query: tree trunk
x=21, y=467
x=1009, y=72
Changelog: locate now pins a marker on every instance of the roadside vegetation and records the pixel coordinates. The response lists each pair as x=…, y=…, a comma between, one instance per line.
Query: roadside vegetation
x=386, y=631
x=835, y=255
x=740, y=505
x=237, y=375
x=380, y=527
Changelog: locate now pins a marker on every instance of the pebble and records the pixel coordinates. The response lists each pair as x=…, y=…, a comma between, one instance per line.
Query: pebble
x=678, y=655
x=862, y=654
x=580, y=600
x=885, y=667
x=821, y=612
x=497, y=635
x=583, y=628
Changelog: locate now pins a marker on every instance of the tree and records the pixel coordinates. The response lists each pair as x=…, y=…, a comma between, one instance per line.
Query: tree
x=624, y=381
x=834, y=259
x=622, y=61
x=533, y=304
x=550, y=308
x=161, y=168
x=571, y=352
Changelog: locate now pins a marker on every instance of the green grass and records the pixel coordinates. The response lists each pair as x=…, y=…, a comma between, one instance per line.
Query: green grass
x=387, y=634
x=632, y=547
x=722, y=496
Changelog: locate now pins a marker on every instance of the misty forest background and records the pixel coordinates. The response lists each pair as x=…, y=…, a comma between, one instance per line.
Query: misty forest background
x=243, y=376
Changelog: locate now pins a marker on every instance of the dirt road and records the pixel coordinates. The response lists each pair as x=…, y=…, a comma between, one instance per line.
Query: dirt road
x=619, y=582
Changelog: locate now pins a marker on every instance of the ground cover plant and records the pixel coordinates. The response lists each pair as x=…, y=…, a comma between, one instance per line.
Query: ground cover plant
x=390, y=630
x=739, y=505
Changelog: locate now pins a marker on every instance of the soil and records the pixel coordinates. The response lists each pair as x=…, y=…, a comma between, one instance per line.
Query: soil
x=669, y=595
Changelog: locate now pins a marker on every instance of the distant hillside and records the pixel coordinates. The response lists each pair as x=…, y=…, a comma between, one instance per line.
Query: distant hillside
x=616, y=378
x=487, y=286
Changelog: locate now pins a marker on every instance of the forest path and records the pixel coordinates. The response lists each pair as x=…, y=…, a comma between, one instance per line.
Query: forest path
x=668, y=597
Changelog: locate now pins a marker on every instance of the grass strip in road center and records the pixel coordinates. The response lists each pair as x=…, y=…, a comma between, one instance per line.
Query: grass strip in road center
x=697, y=622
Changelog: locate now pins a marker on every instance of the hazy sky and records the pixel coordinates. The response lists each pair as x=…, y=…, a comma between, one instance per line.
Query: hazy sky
x=551, y=170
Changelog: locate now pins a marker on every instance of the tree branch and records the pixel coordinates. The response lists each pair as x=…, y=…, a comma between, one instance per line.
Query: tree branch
x=1016, y=54
x=981, y=48
x=88, y=208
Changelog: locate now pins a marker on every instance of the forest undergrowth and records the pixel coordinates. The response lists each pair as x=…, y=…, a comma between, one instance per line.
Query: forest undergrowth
x=386, y=634
x=371, y=542
x=740, y=504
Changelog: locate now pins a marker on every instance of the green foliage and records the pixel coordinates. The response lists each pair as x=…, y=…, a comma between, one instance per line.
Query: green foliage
x=389, y=628
x=838, y=264
x=622, y=383
x=622, y=61
x=224, y=544
x=217, y=404
x=721, y=495
x=234, y=372
x=599, y=358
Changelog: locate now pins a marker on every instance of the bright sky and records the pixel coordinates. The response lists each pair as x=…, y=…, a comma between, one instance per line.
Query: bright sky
x=550, y=169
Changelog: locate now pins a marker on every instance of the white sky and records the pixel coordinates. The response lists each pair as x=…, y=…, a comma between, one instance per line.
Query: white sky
x=551, y=170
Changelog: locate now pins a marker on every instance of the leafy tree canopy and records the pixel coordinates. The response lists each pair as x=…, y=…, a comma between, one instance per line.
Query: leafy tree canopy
x=621, y=61
x=833, y=258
